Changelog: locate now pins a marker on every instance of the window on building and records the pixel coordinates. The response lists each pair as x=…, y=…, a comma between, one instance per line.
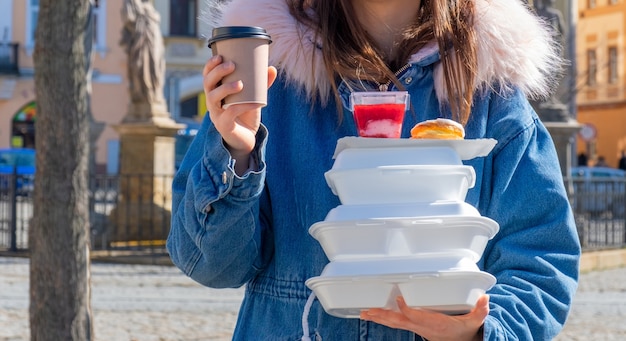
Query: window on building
x=32, y=13
x=613, y=2
x=592, y=67
x=99, y=26
x=99, y=23
x=613, y=65
x=591, y=3
x=183, y=15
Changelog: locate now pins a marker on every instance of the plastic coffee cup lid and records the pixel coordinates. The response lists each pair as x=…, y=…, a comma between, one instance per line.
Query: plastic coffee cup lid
x=232, y=32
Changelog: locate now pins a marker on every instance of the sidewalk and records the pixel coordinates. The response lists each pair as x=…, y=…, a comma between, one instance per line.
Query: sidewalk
x=130, y=303
x=159, y=303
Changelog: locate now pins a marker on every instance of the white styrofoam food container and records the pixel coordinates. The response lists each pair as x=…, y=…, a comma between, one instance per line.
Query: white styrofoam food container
x=406, y=210
x=355, y=158
x=373, y=238
x=401, y=184
x=466, y=149
x=427, y=263
x=449, y=292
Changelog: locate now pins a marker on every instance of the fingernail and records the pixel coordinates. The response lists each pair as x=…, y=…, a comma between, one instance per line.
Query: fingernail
x=236, y=85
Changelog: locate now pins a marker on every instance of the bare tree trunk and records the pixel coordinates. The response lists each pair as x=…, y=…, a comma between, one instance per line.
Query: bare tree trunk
x=60, y=297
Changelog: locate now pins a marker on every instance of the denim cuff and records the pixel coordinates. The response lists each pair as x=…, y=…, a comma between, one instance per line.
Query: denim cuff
x=250, y=184
x=220, y=168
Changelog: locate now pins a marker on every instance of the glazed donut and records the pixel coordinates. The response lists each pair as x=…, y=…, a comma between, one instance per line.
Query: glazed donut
x=440, y=128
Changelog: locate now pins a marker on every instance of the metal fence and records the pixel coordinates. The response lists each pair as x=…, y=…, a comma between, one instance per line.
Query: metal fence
x=599, y=209
x=131, y=213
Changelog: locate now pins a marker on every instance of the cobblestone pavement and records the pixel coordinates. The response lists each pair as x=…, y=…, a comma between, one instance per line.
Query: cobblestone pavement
x=599, y=310
x=158, y=303
x=130, y=303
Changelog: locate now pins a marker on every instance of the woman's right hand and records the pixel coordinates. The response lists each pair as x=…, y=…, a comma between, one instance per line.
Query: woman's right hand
x=238, y=124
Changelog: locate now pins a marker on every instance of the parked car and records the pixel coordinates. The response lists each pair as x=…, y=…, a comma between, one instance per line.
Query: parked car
x=599, y=189
x=19, y=162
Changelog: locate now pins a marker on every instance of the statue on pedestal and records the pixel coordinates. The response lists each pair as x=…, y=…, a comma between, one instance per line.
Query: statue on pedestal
x=552, y=109
x=557, y=116
x=545, y=9
x=147, y=132
x=143, y=42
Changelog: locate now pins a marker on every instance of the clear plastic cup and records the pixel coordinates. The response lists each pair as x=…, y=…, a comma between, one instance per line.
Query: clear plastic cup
x=379, y=114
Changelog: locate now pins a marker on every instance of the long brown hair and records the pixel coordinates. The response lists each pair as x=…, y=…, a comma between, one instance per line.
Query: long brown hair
x=350, y=53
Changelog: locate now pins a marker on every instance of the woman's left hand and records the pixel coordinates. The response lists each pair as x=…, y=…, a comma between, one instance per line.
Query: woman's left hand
x=431, y=325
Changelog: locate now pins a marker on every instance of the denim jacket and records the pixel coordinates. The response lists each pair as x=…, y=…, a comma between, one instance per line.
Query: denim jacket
x=231, y=231
x=228, y=231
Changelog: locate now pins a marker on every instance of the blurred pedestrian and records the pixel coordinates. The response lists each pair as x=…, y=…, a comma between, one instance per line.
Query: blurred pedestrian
x=601, y=162
x=583, y=160
x=621, y=164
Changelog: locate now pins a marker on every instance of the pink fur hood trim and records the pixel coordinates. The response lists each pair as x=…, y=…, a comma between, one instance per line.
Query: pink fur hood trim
x=515, y=47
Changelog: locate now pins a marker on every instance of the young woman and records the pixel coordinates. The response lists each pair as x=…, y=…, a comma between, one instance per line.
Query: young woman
x=252, y=182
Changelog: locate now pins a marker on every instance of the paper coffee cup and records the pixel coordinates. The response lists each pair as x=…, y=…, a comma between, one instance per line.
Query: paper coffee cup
x=248, y=48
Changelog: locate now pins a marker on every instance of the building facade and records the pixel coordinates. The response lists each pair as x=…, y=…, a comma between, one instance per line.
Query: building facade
x=185, y=49
x=18, y=21
x=601, y=82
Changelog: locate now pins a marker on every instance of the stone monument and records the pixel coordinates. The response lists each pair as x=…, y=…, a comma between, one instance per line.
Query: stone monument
x=147, y=132
x=558, y=116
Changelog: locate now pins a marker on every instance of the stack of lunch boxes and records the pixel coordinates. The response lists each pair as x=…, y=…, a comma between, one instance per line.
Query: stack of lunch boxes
x=403, y=227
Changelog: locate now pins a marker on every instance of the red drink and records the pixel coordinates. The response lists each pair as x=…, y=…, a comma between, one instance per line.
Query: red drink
x=379, y=120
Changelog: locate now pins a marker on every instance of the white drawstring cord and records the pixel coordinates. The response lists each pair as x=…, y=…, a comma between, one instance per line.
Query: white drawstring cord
x=305, y=317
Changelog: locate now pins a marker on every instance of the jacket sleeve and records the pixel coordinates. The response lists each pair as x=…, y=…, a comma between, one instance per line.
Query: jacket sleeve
x=217, y=234
x=535, y=255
